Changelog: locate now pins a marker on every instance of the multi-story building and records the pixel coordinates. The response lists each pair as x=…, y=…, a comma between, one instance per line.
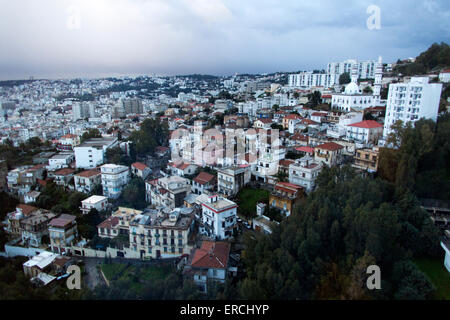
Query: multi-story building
x=62, y=177
x=218, y=216
x=35, y=227
x=68, y=142
x=329, y=153
x=231, y=180
x=60, y=160
x=20, y=180
x=167, y=191
x=209, y=262
x=411, y=101
x=94, y=202
x=91, y=153
x=285, y=197
x=366, y=159
x=161, y=233
x=114, y=179
x=127, y=106
x=86, y=181
x=203, y=182
x=313, y=79
x=83, y=110
x=63, y=232
x=141, y=170
x=304, y=172
x=22, y=211
x=366, y=132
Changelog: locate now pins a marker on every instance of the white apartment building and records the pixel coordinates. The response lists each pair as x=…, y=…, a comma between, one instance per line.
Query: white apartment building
x=218, y=216
x=310, y=79
x=412, y=101
x=368, y=131
x=114, y=179
x=91, y=153
x=304, y=172
x=366, y=69
x=83, y=110
x=94, y=202
x=60, y=160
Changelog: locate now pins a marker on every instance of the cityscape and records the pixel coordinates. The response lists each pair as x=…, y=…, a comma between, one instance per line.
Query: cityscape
x=328, y=182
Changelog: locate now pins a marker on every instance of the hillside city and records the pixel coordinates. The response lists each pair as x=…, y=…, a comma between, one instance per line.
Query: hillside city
x=251, y=186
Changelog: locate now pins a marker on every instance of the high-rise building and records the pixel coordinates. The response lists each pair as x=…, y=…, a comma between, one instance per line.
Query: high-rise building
x=411, y=101
x=82, y=110
x=127, y=106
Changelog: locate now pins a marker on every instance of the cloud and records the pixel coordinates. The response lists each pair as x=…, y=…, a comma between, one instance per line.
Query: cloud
x=66, y=38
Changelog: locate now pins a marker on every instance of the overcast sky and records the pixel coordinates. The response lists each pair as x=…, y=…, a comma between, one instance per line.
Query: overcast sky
x=89, y=38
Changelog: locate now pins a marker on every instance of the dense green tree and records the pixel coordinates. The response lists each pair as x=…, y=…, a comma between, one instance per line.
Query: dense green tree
x=344, y=78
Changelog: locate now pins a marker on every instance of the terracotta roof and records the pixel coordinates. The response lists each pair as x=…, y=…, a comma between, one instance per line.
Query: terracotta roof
x=62, y=220
x=286, y=163
x=109, y=223
x=368, y=124
x=69, y=136
x=88, y=173
x=305, y=149
x=212, y=255
x=183, y=166
x=331, y=146
x=293, y=117
x=318, y=114
x=26, y=209
x=139, y=165
x=64, y=172
x=204, y=178
x=300, y=137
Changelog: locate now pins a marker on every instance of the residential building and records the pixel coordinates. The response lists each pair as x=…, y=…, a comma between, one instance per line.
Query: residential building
x=63, y=232
x=167, y=191
x=218, y=216
x=94, y=202
x=304, y=172
x=161, y=233
x=83, y=110
x=40, y=263
x=231, y=180
x=68, y=142
x=141, y=170
x=412, y=101
x=114, y=179
x=60, y=160
x=109, y=228
x=13, y=219
x=91, y=153
x=62, y=177
x=367, y=159
x=209, y=262
x=86, y=181
x=203, y=182
x=285, y=197
x=444, y=76
x=34, y=227
x=31, y=197
x=329, y=153
x=366, y=132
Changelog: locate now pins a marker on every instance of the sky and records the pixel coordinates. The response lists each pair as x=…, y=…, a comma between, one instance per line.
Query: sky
x=99, y=38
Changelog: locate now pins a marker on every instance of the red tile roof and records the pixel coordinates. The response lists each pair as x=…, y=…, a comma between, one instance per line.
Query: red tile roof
x=64, y=172
x=109, y=223
x=62, y=221
x=88, y=173
x=212, y=255
x=263, y=120
x=368, y=124
x=293, y=117
x=204, y=178
x=286, y=163
x=305, y=149
x=26, y=209
x=139, y=165
x=331, y=146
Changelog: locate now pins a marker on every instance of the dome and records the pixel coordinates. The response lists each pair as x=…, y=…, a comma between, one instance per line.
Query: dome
x=351, y=88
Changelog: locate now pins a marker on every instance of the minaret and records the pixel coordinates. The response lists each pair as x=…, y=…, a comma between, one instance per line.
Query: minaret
x=378, y=78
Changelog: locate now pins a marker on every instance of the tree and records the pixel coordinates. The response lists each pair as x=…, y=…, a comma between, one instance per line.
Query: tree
x=315, y=98
x=153, y=133
x=344, y=78
x=368, y=90
x=133, y=195
x=92, y=133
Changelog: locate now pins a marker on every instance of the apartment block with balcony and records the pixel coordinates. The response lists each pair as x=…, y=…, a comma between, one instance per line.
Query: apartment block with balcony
x=34, y=227
x=329, y=153
x=304, y=172
x=114, y=179
x=366, y=159
x=412, y=101
x=285, y=197
x=167, y=191
x=161, y=233
x=218, y=217
x=63, y=232
x=231, y=180
x=87, y=180
x=91, y=153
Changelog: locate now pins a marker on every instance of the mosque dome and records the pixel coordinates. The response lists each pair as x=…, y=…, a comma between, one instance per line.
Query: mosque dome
x=352, y=88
